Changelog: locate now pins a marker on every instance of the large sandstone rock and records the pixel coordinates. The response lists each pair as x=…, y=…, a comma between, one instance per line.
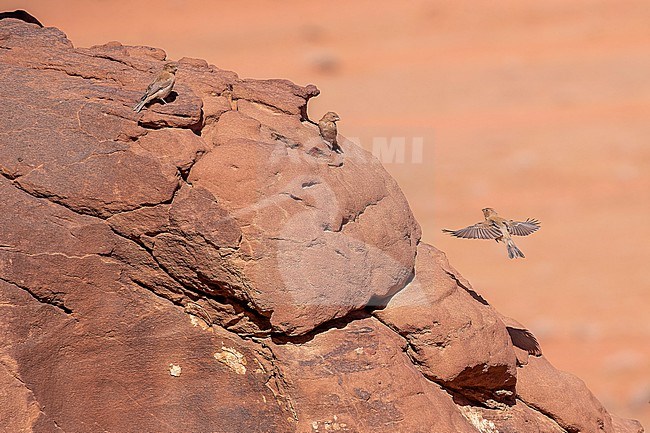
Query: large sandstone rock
x=453, y=338
x=566, y=399
x=209, y=265
x=359, y=379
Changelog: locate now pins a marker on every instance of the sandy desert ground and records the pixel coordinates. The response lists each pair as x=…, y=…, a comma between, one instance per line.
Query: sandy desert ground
x=538, y=109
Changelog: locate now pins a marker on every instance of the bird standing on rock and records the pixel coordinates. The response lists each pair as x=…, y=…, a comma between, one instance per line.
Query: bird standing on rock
x=231, y=100
x=327, y=127
x=499, y=229
x=160, y=87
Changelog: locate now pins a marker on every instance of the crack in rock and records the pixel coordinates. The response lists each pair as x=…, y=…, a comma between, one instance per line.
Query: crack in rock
x=47, y=300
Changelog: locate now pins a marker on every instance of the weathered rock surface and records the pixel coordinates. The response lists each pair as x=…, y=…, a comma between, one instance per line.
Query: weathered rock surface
x=565, y=398
x=359, y=379
x=454, y=339
x=209, y=265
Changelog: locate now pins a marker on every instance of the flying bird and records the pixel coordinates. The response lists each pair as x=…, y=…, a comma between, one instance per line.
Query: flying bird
x=499, y=229
x=160, y=87
x=327, y=127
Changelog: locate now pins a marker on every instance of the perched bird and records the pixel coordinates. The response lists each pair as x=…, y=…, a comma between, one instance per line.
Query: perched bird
x=499, y=229
x=327, y=127
x=231, y=101
x=160, y=88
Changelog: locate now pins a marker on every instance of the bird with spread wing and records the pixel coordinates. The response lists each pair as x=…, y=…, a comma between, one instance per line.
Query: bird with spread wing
x=499, y=229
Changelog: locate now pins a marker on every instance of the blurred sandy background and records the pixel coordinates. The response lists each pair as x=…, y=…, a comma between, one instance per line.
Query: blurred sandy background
x=536, y=108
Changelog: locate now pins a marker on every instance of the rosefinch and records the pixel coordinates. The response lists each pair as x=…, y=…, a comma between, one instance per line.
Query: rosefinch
x=499, y=229
x=231, y=101
x=159, y=88
x=327, y=127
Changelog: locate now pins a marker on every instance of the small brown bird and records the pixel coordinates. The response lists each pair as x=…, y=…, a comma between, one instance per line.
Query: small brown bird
x=499, y=229
x=327, y=127
x=160, y=88
x=231, y=101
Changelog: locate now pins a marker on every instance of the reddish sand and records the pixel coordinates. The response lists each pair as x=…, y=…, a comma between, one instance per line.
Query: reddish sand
x=538, y=109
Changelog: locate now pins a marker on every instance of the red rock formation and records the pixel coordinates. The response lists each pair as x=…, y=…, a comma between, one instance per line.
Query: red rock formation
x=195, y=268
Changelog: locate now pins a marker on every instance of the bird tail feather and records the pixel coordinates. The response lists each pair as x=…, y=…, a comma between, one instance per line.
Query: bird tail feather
x=139, y=105
x=513, y=251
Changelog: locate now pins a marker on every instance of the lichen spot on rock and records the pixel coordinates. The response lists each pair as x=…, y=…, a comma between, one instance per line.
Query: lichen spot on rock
x=328, y=425
x=197, y=322
x=232, y=358
x=482, y=425
x=174, y=370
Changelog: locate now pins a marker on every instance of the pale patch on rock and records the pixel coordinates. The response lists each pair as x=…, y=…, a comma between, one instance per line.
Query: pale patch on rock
x=198, y=315
x=329, y=425
x=483, y=425
x=199, y=322
x=232, y=358
x=175, y=370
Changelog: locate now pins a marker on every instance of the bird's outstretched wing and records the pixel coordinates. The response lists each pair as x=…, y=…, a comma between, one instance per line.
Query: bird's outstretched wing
x=524, y=339
x=482, y=230
x=519, y=228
